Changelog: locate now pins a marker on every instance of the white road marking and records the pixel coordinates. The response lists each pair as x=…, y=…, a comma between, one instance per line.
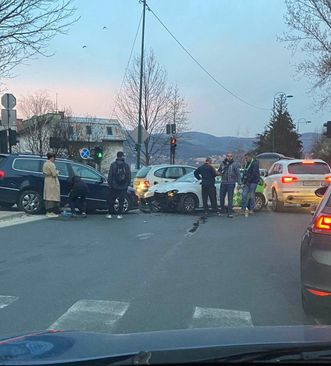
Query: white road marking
x=21, y=220
x=91, y=315
x=6, y=300
x=144, y=236
x=215, y=317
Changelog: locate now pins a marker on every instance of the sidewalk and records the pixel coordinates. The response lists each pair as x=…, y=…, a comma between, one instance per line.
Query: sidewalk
x=8, y=215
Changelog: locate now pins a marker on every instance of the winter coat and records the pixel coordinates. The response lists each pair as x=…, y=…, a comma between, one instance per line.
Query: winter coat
x=113, y=183
x=230, y=172
x=77, y=186
x=206, y=173
x=251, y=172
x=51, y=182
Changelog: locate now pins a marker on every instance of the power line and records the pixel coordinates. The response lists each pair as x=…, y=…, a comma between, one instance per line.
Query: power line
x=202, y=67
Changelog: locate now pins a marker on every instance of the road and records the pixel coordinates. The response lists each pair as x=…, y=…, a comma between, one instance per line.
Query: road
x=151, y=272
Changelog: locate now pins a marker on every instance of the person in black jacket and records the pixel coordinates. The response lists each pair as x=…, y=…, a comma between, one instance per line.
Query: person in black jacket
x=251, y=178
x=77, y=196
x=206, y=173
x=119, y=178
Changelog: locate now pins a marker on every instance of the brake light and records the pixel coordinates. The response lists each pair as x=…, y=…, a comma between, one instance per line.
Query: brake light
x=2, y=174
x=289, y=179
x=308, y=162
x=328, y=179
x=322, y=224
x=146, y=184
x=318, y=293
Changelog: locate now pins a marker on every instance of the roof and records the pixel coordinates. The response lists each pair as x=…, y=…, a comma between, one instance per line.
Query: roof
x=91, y=120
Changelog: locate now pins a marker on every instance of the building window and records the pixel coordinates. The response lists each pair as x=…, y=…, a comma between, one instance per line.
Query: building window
x=109, y=131
x=88, y=130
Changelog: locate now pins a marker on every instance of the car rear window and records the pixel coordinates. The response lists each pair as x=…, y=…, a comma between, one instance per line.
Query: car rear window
x=28, y=165
x=312, y=168
x=143, y=172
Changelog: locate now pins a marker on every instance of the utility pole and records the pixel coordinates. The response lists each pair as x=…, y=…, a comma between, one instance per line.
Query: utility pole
x=141, y=84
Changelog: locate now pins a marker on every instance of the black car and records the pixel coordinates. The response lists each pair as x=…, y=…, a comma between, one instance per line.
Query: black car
x=316, y=258
x=22, y=183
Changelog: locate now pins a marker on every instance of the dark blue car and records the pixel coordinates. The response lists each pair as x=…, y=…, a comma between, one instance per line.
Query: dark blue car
x=22, y=183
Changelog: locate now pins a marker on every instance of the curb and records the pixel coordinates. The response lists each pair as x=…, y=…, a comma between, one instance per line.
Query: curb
x=11, y=215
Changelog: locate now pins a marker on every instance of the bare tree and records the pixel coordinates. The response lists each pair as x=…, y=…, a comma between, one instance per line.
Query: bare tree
x=27, y=27
x=160, y=105
x=310, y=31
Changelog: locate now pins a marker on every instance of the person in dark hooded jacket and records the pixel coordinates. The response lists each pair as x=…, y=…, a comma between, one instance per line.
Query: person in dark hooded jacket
x=77, y=196
x=119, y=178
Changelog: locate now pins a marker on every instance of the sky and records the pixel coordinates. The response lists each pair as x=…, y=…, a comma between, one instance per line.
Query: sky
x=235, y=40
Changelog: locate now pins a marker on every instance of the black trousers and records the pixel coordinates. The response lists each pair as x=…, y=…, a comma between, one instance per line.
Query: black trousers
x=209, y=191
x=79, y=201
x=113, y=194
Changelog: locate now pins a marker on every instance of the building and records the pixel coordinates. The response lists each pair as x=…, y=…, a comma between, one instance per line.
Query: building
x=68, y=135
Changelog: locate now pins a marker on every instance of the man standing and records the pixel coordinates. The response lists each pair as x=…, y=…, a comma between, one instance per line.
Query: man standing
x=51, y=187
x=230, y=172
x=251, y=179
x=119, y=178
x=206, y=173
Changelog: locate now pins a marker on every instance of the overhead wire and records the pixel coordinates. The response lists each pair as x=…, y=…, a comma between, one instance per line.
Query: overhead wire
x=201, y=66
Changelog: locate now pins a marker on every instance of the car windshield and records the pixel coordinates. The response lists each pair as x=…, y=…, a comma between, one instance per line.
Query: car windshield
x=110, y=109
x=308, y=168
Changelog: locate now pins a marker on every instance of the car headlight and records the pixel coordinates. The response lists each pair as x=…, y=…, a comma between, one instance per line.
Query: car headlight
x=148, y=194
x=172, y=193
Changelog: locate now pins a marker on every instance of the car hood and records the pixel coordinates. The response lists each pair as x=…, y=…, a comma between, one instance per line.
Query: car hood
x=56, y=346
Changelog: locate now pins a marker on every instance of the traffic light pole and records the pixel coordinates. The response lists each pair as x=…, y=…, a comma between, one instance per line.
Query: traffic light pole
x=141, y=84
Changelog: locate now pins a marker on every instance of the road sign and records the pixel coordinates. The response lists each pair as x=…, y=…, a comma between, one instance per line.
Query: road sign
x=144, y=134
x=8, y=117
x=8, y=101
x=84, y=153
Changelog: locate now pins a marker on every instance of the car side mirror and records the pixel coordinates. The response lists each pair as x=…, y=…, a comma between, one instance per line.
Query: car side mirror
x=102, y=179
x=321, y=191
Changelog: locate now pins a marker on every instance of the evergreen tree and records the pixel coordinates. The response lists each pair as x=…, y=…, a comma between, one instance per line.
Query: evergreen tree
x=280, y=134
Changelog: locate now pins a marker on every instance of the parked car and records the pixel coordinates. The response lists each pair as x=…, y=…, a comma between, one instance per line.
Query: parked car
x=151, y=175
x=22, y=183
x=316, y=258
x=293, y=182
x=184, y=195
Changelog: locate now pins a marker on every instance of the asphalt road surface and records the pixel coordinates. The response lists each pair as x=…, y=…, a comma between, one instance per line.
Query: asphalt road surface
x=150, y=272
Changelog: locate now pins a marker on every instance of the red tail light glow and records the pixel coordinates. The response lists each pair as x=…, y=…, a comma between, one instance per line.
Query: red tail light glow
x=318, y=293
x=322, y=224
x=308, y=162
x=328, y=179
x=289, y=179
x=146, y=184
x=2, y=174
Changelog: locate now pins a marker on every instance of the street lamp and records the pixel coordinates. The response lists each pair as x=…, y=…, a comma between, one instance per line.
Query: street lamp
x=274, y=102
x=302, y=120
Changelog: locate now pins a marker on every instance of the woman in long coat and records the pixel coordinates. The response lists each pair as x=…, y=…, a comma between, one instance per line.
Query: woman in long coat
x=51, y=187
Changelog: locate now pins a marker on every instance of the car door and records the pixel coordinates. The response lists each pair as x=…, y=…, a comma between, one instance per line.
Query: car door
x=63, y=169
x=270, y=179
x=96, y=182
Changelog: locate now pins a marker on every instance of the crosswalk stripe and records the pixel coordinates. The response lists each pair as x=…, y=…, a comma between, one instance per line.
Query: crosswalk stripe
x=91, y=315
x=21, y=220
x=6, y=300
x=215, y=317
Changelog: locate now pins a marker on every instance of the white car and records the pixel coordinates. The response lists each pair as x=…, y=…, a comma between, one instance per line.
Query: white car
x=149, y=176
x=294, y=182
x=184, y=195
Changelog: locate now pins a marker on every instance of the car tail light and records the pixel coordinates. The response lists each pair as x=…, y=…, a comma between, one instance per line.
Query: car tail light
x=308, y=162
x=146, y=184
x=2, y=174
x=289, y=179
x=328, y=179
x=322, y=224
x=318, y=293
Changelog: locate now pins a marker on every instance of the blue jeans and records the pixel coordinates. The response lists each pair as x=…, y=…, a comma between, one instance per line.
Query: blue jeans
x=227, y=188
x=249, y=195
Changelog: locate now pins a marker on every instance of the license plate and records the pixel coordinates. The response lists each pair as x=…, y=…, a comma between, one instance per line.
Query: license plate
x=312, y=183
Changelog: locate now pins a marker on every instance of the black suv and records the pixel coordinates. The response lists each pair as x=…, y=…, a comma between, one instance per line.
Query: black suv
x=22, y=183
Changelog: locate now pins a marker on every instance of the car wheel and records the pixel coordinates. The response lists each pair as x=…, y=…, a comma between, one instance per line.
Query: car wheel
x=30, y=202
x=259, y=201
x=187, y=203
x=276, y=205
x=126, y=205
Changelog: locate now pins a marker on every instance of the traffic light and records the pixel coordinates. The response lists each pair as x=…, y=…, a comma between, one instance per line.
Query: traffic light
x=98, y=154
x=327, y=129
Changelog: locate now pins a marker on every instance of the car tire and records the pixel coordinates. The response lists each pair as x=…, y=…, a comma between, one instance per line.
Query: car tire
x=276, y=205
x=30, y=202
x=259, y=201
x=188, y=203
